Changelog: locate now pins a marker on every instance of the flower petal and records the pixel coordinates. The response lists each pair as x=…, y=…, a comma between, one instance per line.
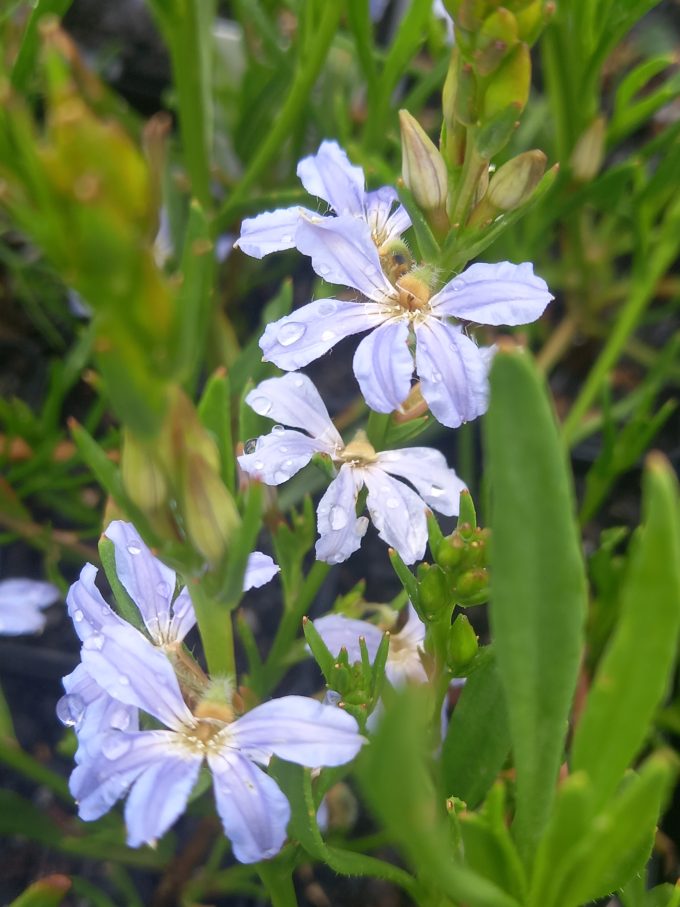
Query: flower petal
x=183, y=616
x=343, y=252
x=272, y=231
x=383, y=366
x=310, y=331
x=90, y=710
x=135, y=672
x=298, y=729
x=147, y=580
x=21, y=601
x=159, y=795
x=340, y=632
x=293, y=400
x=453, y=373
x=279, y=455
x=86, y=607
x=397, y=513
x=500, y=293
x=340, y=530
x=329, y=175
x=386, y=224
x=254, y=811
x=259, y=570
x=426, y=469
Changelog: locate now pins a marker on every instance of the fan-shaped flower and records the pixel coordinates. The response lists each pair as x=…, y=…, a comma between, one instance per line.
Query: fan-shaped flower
x=330, y=176
x=398, y=512
x=452, y=369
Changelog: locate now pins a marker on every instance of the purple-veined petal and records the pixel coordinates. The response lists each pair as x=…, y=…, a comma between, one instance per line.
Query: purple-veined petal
x=386, y=224
x=272, y=231
x=97, y=783
x=426, y=469
x=147, y=580
x=397, y=512
x=254, y=811
x=310, y=331
x=260, y=569
x=500, y=293
x=343, y=252
x=183, y=616
x=293, y=400
x=340, y=530
x=329, y=175
x=159, y=795
x=135, y=672
x=279, y=455
x=21, y=604
x=298, y=729
x=86, y=607
x=90, y=710
x=453, y=373
x=340, y=632
x=383, y=365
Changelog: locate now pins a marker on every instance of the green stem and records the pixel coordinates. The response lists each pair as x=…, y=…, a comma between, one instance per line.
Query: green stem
x=216, y=629
x=473, y=166
x=277, y=878
x=303, y=82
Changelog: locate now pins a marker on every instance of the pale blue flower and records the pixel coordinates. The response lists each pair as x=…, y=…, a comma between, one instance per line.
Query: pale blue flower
x=21, y=605
x=452, y=369
x=157, y=769
x=397, y=511
x=330, y=176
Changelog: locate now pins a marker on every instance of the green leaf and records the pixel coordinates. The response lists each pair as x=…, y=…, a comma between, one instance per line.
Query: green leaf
x=126, y=607
x=634, y=672
x=538, y=587
x=30, y=42
x=47, y=892
x=427, y=244
x=396, y=780
x=477, y=742
x=214, y=411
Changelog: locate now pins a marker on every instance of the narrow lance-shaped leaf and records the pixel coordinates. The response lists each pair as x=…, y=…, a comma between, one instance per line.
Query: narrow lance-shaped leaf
x=537, y=582
x=634, y=671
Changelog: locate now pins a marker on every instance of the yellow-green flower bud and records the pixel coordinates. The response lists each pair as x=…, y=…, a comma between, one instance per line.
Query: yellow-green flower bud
x=513, y=184
x=434, y=590
x=209, y=512
x=143, y=479
x=510, y=83
x=462, y=644
x=588, y=153
x=472, y=588
x=423, y=167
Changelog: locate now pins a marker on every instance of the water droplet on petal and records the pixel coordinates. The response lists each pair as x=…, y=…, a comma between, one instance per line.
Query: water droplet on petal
x=337, y=517
x=78, y=616
x=134, y=549
x=120, y=719
x=328, y=335
x=290, y=333
x=114, y=746
x=328, y=307
x=106, y=611
x=163, y=589
x=278, y=429
x=94, y=642
x=258, y=464
x=392, y=503
x=299, y=382
x=456, y=285
x=281, y=475
x=250, y=446
x=261, y=405
x=286, y=238
x=284, y=448
x=436, y=491
x=124, y=680
x=70, y=709
x=436, y=377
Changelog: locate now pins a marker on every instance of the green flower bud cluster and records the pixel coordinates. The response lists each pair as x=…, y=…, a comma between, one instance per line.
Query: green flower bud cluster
x=462, y=557
x=359, y=685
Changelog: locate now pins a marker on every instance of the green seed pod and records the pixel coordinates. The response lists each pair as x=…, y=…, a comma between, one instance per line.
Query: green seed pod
x=462, y=644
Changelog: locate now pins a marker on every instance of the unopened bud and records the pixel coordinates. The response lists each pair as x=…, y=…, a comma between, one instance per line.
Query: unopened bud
x=472, y=588
x=588, y=153
x=462, y=644
x=143, y=478
x=510, y=83
x=434, y=590
x=423, y=167
x=209, y=512
x=514, y=182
